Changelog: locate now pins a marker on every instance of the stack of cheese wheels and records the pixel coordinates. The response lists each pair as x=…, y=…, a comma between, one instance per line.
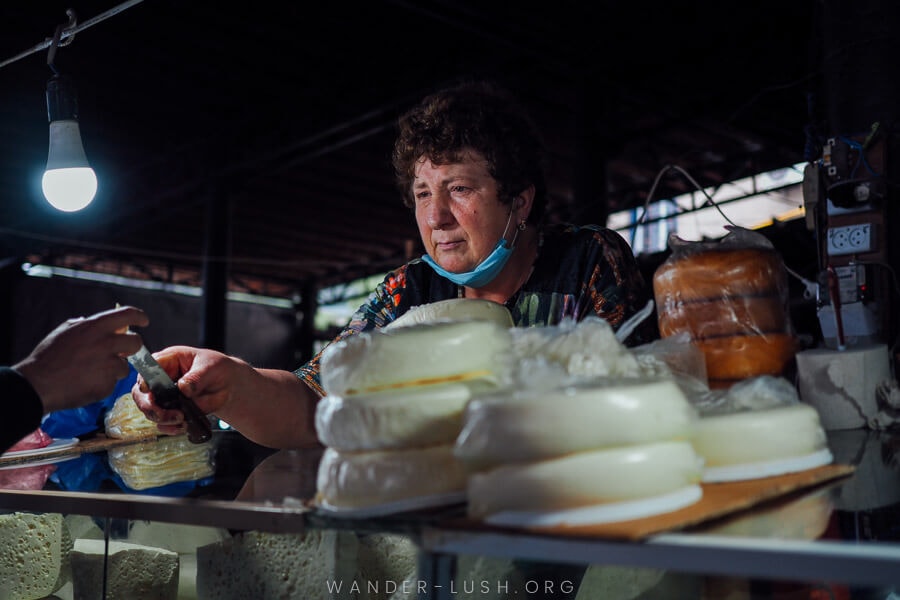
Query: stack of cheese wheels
x=605, y=450
x=732, y=303
x=394, y=402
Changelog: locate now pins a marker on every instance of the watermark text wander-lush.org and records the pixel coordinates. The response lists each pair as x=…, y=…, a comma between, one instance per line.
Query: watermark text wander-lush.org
x=468, y=587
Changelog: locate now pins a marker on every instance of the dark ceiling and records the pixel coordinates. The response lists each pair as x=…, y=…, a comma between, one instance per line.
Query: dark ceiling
x=273, y=121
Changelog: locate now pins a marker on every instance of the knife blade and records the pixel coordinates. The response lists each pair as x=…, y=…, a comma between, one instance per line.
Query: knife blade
x=169, y=396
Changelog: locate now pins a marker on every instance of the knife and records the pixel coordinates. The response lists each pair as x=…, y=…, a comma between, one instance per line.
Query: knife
x=169, y=396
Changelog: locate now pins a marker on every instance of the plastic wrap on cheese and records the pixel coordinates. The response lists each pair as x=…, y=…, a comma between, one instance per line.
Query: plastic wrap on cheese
x=551, y=356
x=585, y=479
x=731, y=296
x=529, y=425
x=404, y=418
x=168, y=460
x=125, y=421
x=454, y=309
x=418, y=356
x=365, y=479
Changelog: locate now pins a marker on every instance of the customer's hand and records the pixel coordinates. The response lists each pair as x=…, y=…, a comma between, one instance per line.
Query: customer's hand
x=80, y=361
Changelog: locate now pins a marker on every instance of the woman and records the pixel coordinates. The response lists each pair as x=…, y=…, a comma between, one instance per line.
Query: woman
x=468, y=161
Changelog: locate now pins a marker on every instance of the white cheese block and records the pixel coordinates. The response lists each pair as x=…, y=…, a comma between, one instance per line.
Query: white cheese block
x=583, y=479
x=385, y=561
x=454, y=309
x=285, y=566
x=176, y=537
x=422, y=355
x=364, y=479
x=34, y=555
x=612, y=582
x=393, y=419
x=759, y=435
x=133, y=571
x=528, y=426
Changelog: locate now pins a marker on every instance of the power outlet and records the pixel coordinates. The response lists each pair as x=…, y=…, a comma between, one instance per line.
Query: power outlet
x=849, y=239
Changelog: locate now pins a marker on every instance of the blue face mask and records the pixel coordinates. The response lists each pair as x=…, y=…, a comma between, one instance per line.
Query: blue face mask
x=486, y=270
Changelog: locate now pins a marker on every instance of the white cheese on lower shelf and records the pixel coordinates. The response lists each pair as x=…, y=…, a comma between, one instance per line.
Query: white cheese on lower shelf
x=278, y=566
x=34, y=555
x=134, y=572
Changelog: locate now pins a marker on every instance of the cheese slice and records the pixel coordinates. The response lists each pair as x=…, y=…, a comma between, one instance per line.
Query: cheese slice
x=132, y=571
x=168, y=460
x=423, y=355
x=394, y=419
x=528, y=426
x=454, y=309
x=759, y=435
x=365, y=479
x=583, y=479
x=126, y=421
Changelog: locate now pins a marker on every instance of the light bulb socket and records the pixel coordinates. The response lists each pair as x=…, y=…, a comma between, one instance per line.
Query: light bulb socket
x=66, y=150
x=62, y=99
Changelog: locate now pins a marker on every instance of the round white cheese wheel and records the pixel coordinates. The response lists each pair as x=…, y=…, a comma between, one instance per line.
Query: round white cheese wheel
x=585, y=478
x=420, y=355
x=525, y=426
x=395, y=419
x=454, y=309
x=759, y=435
x=366, y=479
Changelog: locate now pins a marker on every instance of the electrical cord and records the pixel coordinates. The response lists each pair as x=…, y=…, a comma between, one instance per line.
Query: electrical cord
x=699, y=188
x=69, y=32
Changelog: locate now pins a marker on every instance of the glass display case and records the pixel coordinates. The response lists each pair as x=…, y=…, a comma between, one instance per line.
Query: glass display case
x=139, y=519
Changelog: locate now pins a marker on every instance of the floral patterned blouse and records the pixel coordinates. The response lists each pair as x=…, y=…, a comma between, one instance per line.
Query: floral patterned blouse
x=580, y=270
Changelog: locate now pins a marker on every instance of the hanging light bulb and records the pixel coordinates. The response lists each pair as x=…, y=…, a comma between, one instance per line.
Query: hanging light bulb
x=69, y=183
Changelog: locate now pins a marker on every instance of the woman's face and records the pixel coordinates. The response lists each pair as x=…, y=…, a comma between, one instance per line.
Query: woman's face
x=459, y=215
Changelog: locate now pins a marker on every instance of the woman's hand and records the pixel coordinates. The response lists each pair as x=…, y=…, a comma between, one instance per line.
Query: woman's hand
x=206, y=376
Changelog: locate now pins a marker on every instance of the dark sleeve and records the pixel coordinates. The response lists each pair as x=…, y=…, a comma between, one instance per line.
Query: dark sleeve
x=22, y=408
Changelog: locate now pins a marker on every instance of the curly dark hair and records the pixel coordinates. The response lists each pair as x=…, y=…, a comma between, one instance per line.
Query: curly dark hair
x=477, y=115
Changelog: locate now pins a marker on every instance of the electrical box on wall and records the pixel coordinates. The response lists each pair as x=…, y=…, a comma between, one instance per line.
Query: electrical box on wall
x=853, y=168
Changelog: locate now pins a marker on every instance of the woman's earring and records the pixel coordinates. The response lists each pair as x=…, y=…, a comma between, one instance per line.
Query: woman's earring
x=522, y=225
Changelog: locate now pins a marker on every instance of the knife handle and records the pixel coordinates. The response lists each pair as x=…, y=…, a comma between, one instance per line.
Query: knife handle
x=198, y=428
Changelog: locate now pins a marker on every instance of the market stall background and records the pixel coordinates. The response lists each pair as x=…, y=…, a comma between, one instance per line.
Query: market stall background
x=248, y=145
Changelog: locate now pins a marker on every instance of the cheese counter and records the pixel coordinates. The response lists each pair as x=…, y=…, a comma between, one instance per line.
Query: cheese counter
x=76, y=524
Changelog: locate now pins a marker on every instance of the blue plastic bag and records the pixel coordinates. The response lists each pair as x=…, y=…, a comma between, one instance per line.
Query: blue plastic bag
x=75, y=422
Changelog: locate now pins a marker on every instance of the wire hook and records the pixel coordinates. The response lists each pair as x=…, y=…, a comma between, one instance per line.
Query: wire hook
x=57, y=36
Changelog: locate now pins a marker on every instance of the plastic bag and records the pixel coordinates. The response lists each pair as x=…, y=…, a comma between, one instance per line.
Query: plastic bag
x=74, y=422
x=731, y=297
